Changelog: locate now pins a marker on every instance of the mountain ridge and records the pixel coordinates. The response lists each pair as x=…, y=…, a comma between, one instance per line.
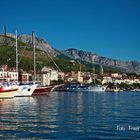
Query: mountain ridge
x=129, y=66
x=73, y=53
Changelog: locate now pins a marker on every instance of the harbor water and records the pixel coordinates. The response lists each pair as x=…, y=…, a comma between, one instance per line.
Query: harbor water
x=69, y=115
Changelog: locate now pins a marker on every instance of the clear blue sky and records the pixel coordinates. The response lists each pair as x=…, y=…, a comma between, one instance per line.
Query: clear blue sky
x=107, y=27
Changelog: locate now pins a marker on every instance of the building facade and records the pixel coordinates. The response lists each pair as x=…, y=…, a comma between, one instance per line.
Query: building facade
x=46, y=76
x=9, y=75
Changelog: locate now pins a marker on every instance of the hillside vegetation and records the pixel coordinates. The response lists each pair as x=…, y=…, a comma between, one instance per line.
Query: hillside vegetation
x=25, y=51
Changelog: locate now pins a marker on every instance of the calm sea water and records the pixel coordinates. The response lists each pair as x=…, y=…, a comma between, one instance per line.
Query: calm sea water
x=65, y=115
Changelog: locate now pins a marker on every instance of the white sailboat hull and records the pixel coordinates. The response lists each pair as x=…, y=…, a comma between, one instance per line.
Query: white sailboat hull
x=96, y=88
x=25, y=90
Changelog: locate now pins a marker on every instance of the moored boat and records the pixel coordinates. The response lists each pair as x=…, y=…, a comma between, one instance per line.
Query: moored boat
x=83, y=87
x=136, y=89
x=97, y=88
x=8, y=90
x=25, y=89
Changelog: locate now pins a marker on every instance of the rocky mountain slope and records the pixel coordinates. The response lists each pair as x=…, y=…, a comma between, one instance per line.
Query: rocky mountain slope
x=129, y=66
x=40, y=43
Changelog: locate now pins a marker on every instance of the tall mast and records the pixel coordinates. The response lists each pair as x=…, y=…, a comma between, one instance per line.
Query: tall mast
x=34, y=58
x=16, y=54
x=93, y=68
x=80, y=67
x=94, y=72
x=5, y=32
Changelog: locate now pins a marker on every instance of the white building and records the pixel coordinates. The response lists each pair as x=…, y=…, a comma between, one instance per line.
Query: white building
x=87, y=80
x=43, y=78
x=116, y=75
x=47, y=75
x=53, y=75
x=107, y=79
x=9, y=75
x=136, y=81
x=127, y=81
x=79, y=77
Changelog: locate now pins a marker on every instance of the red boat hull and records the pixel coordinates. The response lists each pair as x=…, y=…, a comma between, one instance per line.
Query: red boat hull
x=42, y=90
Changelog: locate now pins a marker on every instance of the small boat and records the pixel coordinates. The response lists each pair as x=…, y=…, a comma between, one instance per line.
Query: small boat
x=136, y=89
x=8, y=90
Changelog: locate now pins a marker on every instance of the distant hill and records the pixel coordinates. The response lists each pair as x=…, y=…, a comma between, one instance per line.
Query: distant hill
x=128, y=66
x=62, y=58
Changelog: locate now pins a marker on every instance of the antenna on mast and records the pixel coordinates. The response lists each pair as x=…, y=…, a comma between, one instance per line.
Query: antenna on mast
x=5, y=33
x=4, y=29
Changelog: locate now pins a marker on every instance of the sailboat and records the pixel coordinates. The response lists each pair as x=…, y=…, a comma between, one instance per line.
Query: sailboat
x=39, y=90
x=26, y=89
x=7, y=88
